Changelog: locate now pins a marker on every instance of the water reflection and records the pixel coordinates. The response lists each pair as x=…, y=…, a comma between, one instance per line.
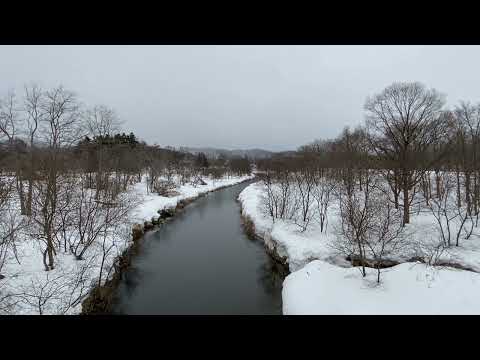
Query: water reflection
x=201, y=262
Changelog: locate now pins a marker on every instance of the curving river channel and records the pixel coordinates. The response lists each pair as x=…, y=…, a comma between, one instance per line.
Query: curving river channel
x=201, y=262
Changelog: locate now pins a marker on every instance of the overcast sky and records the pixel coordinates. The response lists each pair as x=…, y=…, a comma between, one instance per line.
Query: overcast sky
x=272, y=97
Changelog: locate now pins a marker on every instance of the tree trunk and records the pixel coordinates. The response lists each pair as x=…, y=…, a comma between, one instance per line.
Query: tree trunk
x=467, y=192
x=424, y=184
x=360, y=179
x=396, y=188
x=31, y=173
x=50, y=252
x=459, y=198
x=438, y=185
x=475, y=193
x=28, y=208
x=21, y=194
x=406, y=203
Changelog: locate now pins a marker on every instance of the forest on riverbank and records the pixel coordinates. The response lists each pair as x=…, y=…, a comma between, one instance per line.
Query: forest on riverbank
x=72, y=185
x=403, y=187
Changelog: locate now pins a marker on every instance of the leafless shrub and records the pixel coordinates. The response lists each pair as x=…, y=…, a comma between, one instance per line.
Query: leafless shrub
x=370, y=227
x=56, y=292
x=96, y=219
x=304, y=186
x=163, y=187
x=11, y=222
x=322, y=192
x=430, y=250
x=443, y=209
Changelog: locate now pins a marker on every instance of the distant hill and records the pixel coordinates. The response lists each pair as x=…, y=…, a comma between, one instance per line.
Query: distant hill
x=214, y=152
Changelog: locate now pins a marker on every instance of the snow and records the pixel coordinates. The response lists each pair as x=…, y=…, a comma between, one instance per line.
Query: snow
x=410, y=288
x=28, y=280
x=299, y=248
x=151, y=203
x=323, y=282
x=423, y=226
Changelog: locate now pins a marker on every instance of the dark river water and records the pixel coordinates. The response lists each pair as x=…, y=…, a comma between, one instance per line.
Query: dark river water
x=201, y=262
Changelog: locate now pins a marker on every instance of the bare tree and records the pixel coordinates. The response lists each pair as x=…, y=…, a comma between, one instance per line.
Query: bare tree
x=385, y=236
x=32, y=105
x=442, y=208
x=61, y=129
x=56, y=292
x=403, y=122
x=9, y=117
x=10, y=125
x=113, y=240
x=356, y=214
x=101, y=122
x=371, y=228
x=304, y=185
x=10, y=225
x=468, y=128
x=269, y=199
x=324, y=186
x=93, y=218
x=429, y=250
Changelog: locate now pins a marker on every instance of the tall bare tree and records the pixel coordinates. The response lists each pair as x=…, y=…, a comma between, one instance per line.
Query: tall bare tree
x=101, y=122
x=61, y=129
x=34, y=115
x=10, y=125
x=403, y=122
x=468, y=124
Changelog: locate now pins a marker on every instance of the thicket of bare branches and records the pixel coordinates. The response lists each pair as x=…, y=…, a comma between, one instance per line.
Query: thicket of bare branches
x=65, y=174
x=411, y=157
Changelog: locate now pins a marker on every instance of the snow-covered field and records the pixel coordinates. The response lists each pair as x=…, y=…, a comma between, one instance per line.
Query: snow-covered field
x=411, y=288
x=32, y=290
x=321, y=277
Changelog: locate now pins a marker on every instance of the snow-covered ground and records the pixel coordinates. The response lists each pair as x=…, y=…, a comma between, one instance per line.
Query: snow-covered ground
x=321, y=277
x=299, y=248
x=151, y=203
x=32, y=289
x=410, y=288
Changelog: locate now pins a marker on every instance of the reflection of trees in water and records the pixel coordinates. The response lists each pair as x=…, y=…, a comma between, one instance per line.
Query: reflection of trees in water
x=217, y=199
x=163, y=234
x=271, y=276
x=126, y=289
x=131, y=280
x=224, y=196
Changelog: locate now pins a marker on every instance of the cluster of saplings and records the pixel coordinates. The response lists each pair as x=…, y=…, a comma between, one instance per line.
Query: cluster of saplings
x=65, y=169
x=411, y=157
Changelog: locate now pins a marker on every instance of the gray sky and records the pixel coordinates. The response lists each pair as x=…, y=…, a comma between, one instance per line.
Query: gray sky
x=272, y=97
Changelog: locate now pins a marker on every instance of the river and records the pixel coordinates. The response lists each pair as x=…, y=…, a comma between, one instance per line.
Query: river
x=201, y=262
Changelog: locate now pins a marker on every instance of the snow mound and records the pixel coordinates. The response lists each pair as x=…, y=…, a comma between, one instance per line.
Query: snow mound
x=411, y=288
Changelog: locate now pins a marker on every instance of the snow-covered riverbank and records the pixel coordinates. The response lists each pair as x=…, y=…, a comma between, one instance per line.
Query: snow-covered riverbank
x=151, y=203
x=323, y=282
x=321, y=288
x=32, y=290
x=284, y=237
